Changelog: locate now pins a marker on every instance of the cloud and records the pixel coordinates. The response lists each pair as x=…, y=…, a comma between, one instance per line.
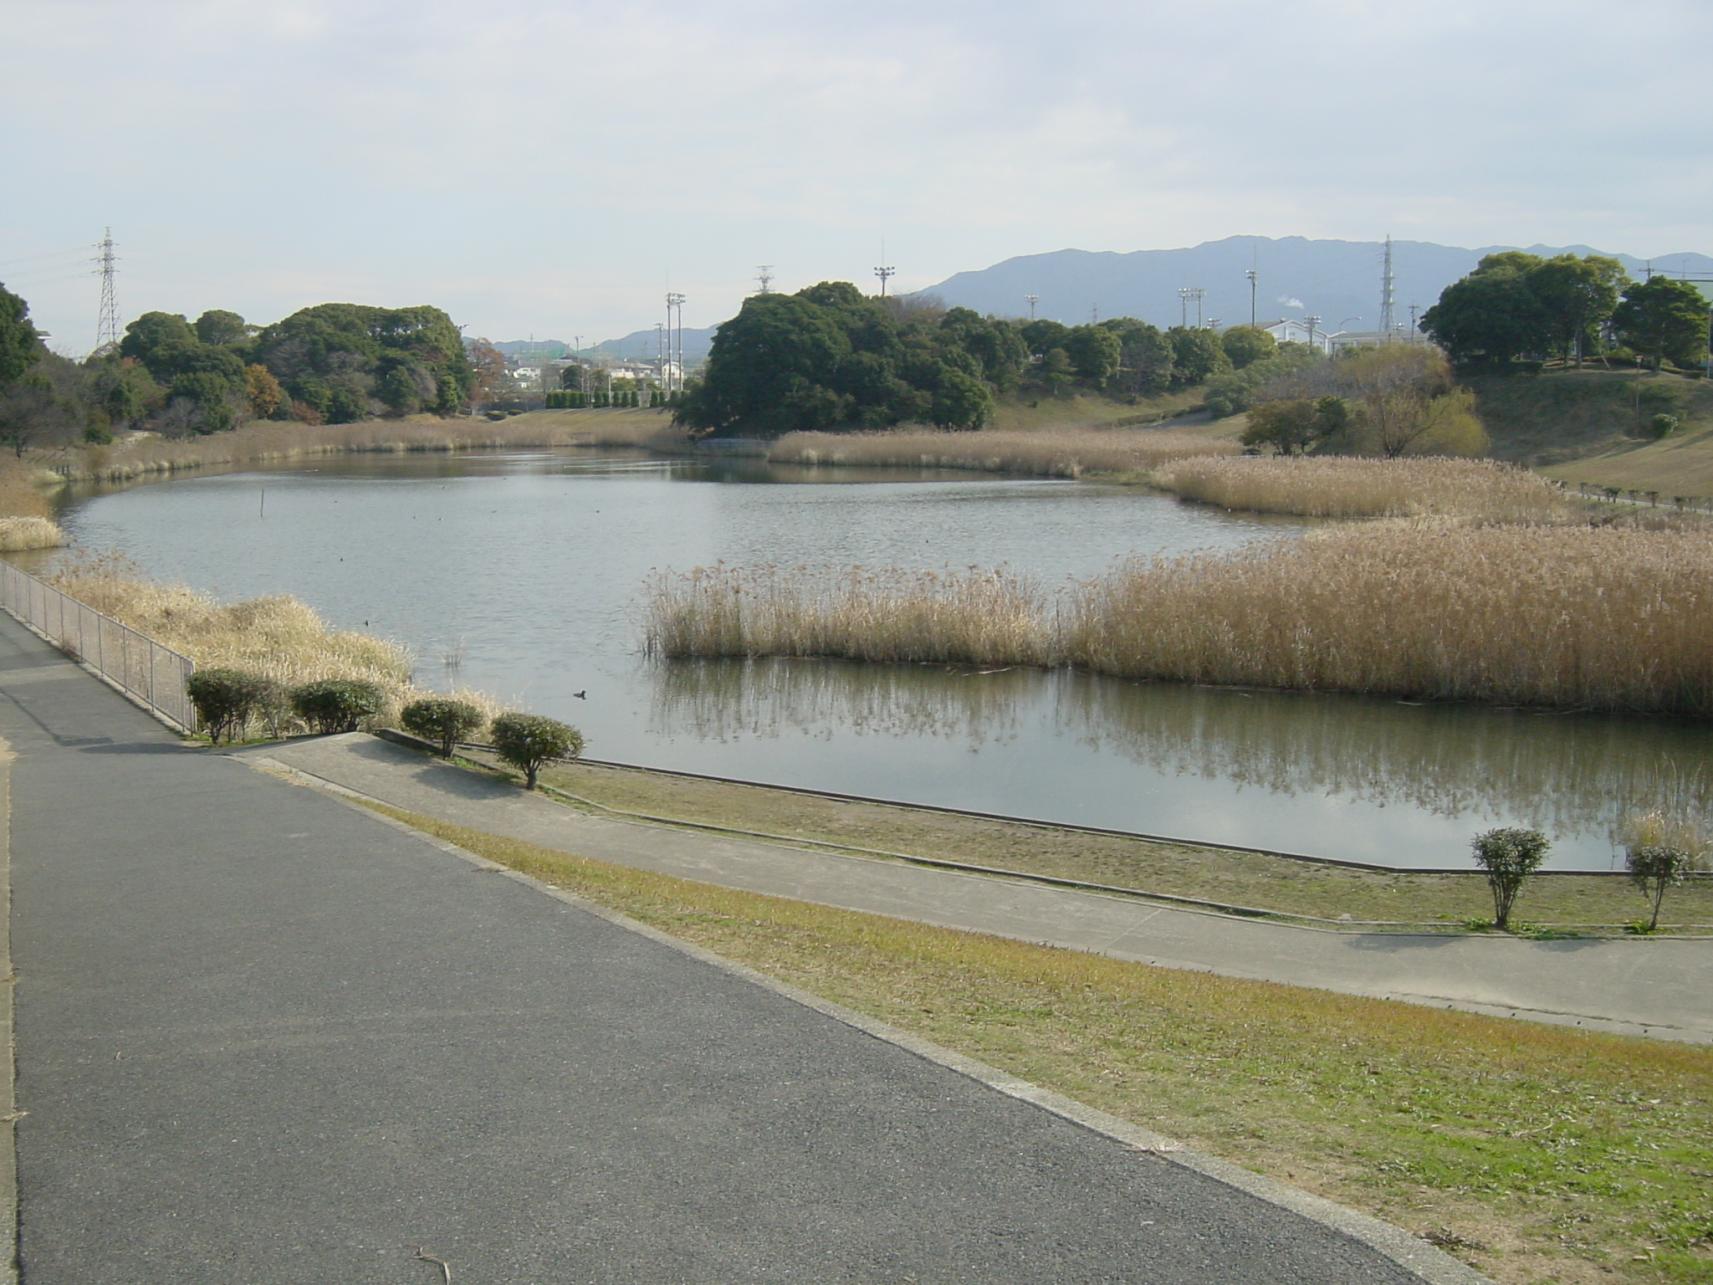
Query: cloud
x=1290, y=302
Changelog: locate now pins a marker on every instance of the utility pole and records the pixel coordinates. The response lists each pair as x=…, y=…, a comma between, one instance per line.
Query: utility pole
x=1094, y=314
x=1387, y=282
x=1033, y=300
x=1250, y=273
x=764, y=277
x=1196, y=293
x=1414, y=307
x=107, y=325
x=676, y=300
x=1183, y=307
x=1313, y=320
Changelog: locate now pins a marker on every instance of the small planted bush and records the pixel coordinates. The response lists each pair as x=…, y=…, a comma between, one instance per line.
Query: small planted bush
x=442, y=720
x=527, y=741
x=335, y=704
x=226, y=700
x=1509, y=856
x=1655, y=867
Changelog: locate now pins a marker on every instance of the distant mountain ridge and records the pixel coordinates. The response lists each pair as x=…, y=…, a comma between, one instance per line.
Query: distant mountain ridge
x=1340, y=281
x=639, y=345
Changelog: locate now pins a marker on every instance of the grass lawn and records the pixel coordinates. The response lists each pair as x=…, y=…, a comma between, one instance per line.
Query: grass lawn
x=1183, y=870
x=1533, y=1152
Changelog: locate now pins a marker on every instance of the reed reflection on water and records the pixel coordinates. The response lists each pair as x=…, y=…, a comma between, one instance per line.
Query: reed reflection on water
x=1571, y=775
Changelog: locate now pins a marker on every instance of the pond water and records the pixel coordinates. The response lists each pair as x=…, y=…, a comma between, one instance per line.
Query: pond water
x=523, y=575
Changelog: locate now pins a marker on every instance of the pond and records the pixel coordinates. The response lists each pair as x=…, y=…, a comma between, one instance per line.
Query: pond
x=523, y=574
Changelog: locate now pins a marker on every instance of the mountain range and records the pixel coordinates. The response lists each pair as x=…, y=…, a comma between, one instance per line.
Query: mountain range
x=1339, y=281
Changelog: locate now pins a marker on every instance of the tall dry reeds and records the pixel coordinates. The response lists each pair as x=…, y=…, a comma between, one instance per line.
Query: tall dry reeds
x=1601, y=618
x=1055, y=452
x=26, y=514
x=973, y=617
x=20, y=534
x=1351, y=487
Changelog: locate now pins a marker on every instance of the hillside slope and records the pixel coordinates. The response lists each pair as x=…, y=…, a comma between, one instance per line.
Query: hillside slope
x=1592, y=426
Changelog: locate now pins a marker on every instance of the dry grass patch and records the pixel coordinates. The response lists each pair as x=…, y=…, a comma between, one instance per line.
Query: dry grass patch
x=277, y=637
x=1349, y=487
x=1591, y=1152
x=20, y=534
x=1048, y=452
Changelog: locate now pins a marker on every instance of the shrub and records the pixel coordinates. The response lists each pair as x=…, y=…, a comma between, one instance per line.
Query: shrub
x=1655, y=867
x=1664, y=425
x=526, y=741
x=335, y=704
x=226, y=700
x=1509, y=856
x=441, y=719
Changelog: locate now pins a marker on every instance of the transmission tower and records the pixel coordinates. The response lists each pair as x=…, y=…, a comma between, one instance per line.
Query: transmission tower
x=1387, y=291
x=1033, y=300
x=764, y=277
x=107, y=326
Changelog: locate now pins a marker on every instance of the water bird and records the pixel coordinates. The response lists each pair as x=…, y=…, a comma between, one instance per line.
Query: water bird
x=581, y=696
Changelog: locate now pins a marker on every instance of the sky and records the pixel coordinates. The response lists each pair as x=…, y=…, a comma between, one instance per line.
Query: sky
x=555, y=168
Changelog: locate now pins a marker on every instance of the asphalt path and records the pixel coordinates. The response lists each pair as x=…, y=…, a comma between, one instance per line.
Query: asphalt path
x=261, y=1036
x=1656, y=987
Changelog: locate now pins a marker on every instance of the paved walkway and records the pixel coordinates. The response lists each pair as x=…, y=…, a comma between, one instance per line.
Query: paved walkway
x=264, y=1036
x=1656, y=987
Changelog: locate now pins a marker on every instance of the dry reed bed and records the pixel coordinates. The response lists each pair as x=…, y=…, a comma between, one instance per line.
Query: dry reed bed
x=1575, y=617
x=1060, y=452
x=264, y=442
x=278, y=636
x=1351, y=487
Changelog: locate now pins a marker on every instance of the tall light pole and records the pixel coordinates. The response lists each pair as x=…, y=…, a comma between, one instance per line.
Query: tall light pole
x=885, y=274
x=675, y=300
x=1313, y=320
x=1183, y=307
x=1033, y=299
x=1250, y=273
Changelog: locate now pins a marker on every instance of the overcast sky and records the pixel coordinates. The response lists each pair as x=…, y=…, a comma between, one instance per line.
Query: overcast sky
x=555, y=168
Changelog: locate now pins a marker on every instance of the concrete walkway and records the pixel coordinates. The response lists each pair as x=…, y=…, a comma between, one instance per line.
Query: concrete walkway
x=264, y=1036
x=1656, y=987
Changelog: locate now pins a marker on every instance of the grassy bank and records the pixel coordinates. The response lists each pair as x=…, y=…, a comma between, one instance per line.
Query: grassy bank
x=1068, y=452
x=1220, y=875
x=269, y=442
x=1533, y=1152
x=1349, y=487
x=277, y=637
x=1543, y=616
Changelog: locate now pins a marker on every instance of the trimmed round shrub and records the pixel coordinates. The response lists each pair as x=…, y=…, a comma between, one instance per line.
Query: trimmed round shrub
x=526, y=741
x=335, y=704
x=1509, y=855
x=226, y=700
x=442, y=720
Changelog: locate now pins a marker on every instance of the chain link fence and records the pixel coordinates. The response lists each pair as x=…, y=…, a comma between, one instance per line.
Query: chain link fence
x=157, y=676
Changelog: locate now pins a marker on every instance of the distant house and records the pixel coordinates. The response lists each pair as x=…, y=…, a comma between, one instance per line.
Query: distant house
x=1291, y=330
x=1374, y=338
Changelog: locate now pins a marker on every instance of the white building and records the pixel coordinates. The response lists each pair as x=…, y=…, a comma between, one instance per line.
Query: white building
x=1291, y=330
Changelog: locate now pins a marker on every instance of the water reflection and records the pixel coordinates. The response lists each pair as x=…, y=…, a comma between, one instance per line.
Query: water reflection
x=1571, y=775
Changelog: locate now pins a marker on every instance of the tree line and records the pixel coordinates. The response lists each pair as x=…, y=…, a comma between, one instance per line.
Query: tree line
x=1520, y=306
x=829, y=358
x=331, y=363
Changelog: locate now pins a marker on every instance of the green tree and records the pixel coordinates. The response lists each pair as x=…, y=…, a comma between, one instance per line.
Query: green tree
x=1491, y=316
x=528, y=741
x=1664, y=320
x=20, y=344
x=1197, y=356
x=766, y=369
x=1294, y=425
x=1509, y=856
x=1405, y=403
x=127, y=391
x=1144, y=356
x=1094, y=353
x=1056, y=371
x=960, y=401
x=159, y=340
x=217, y=326
x=1041, y=336
x=1245, y=345
x=1576, y=297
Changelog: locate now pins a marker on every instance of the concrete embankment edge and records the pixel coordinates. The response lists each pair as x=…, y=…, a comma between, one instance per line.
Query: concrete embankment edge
x=1413, y=1254
x=8, y=1054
